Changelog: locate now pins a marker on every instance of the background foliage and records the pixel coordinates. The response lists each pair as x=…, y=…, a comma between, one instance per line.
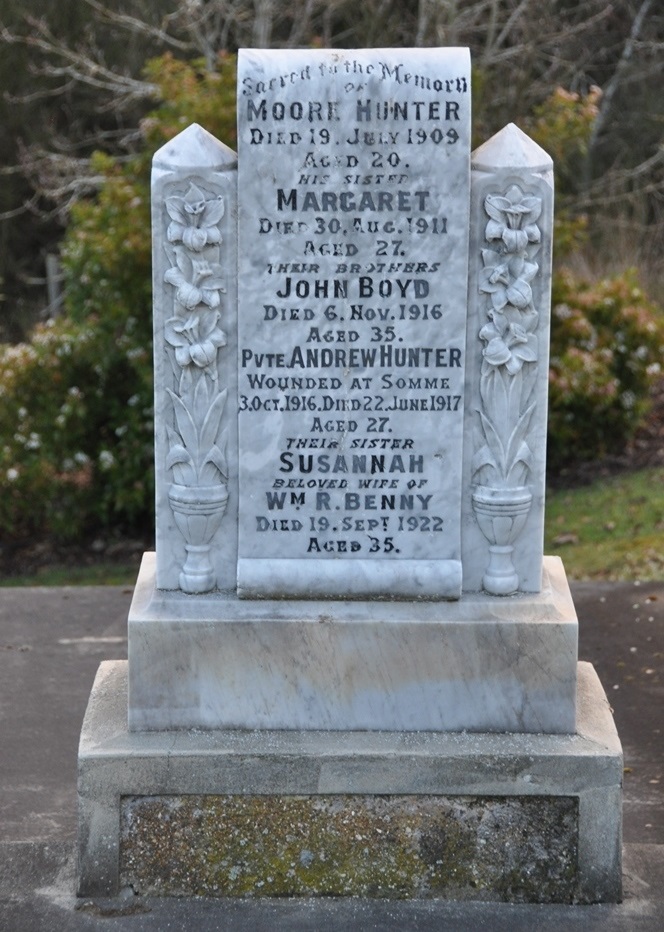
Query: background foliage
x=75, y=419
x=606, y=345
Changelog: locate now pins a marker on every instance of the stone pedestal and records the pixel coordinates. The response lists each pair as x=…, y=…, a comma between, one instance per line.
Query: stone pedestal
x=479, y=664
x=523, y=818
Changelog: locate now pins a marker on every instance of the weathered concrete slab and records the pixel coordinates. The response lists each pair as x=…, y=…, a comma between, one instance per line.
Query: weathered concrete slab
x=516, y=849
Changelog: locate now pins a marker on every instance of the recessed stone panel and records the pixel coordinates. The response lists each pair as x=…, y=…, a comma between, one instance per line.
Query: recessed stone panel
x=353, y=246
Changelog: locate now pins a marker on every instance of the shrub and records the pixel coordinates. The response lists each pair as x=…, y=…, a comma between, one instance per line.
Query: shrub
x=76, y=452
x=606, y=337
x=563, y=125
x=190, y=93
x=76, y=421
x=76, y=413
x=607, y=341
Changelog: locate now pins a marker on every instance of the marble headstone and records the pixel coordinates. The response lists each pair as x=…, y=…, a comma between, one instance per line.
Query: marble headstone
x=350, y=434
x=353, y=207
x=350, y=471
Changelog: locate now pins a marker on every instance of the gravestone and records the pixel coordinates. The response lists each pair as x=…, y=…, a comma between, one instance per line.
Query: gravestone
x=348, y=620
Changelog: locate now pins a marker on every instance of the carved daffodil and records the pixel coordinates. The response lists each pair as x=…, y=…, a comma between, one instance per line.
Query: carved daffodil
x=197, y=279
x=507, y=344
x=507, y=279
x=513, y=218
x=196, y=340
x=194, y=220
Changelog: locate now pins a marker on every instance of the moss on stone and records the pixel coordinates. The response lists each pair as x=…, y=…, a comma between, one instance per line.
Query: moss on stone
x=514, y=849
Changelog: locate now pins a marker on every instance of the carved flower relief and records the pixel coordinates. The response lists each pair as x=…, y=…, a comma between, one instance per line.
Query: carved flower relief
x=197, y=278
x=196, y=340
x=506, y=278
x=194, y=219
x=196, y=450
x=507, y=343
x=513, y=218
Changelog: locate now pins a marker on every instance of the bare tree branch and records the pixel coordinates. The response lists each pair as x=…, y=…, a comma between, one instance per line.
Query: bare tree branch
x=620, y=184
x=506, y=30
x=523, y=49
x=139, y=27
x=262, y=32
x=623, y=63
x=43, y=94
x=77, y=65
x=301, y=24
x=18, y=211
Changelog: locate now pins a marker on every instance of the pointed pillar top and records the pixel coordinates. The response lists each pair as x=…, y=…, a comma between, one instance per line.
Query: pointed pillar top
x=194, y=148
x=510, y=148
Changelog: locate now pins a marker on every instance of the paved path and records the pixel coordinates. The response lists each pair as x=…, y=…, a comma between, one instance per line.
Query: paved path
x=51, y=643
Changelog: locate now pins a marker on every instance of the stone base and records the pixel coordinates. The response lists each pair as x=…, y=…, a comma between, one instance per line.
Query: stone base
x=521, y=818
x=480, y=664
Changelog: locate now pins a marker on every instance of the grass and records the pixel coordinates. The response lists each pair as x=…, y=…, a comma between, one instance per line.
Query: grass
x=99, y=574
x=611, y=530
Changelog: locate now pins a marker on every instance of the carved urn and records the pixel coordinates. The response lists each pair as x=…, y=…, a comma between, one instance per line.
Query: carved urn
x=198, y=511
x=501, y=515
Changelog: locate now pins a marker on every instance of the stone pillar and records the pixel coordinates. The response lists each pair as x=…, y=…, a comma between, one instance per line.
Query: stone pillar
x=509, y=303
x=194, y=216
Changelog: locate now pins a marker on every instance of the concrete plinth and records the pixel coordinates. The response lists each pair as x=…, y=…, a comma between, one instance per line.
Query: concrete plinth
x=479, y=664
x=307, y=809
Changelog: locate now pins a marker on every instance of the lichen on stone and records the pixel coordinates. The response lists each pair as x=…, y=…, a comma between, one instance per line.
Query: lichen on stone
x=516, y=849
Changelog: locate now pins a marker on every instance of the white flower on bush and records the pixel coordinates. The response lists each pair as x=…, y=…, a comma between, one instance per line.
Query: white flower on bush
x=106, y=459
x=81, y=458
x=12, y=474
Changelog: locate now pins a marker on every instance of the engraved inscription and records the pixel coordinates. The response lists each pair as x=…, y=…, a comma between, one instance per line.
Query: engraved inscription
x=353, y=239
